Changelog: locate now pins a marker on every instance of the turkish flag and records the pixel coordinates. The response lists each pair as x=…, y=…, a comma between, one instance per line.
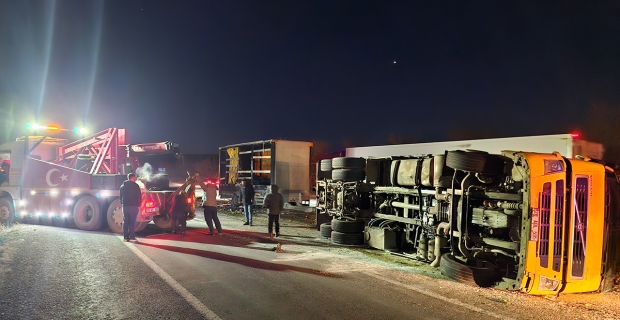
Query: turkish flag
x=41, y=174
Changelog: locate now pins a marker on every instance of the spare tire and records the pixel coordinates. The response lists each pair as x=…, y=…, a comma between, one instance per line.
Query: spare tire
x=325, y=165
x=347, y=226
x=347, y=238
x=348, y=163
x=326, y=230
x=476, y=276
x=475, y=161
x=348, y=175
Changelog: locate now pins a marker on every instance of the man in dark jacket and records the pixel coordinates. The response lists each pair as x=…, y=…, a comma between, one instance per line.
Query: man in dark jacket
x=274, y=202
x=131, y=199
x=178, y=212
x=248, y=201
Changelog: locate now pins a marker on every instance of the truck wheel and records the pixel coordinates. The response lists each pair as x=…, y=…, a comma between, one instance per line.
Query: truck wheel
x=86, y=214
x=347, y=238
x=326, y=165
x=348, y=163
x=476, y=276
x=326, y=230
x=114, y=216
x=7, y=212
x=475, y=161
x=163, y=221
x=348, y=175
x=320, y=175
x=346, y=226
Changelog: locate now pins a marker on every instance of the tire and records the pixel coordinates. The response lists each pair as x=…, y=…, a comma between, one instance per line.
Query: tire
x=114, y=216
x=347, y=238
x=348, y=163
x=325, y=165
x=7, y=211
x=326, y=230
x=86, y=214
x=475, y=161
x=320, y=175
x=476, y=276
x=346, y=226
x=348, y=175
x=163, y=221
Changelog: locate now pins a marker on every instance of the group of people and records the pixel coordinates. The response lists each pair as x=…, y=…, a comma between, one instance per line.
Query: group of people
x=131, y=198
x=274, y=202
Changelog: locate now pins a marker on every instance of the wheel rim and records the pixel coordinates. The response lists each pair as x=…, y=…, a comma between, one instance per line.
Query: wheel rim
x=86, y=212
x=4, y=214
x=117, y=216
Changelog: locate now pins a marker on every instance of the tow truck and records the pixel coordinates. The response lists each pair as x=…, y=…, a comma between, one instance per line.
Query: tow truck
x=53, y=182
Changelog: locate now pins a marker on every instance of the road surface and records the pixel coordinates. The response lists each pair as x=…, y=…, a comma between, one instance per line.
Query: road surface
x=58, y=273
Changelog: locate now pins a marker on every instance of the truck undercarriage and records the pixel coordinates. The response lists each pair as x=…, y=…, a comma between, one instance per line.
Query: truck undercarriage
x=464, y=209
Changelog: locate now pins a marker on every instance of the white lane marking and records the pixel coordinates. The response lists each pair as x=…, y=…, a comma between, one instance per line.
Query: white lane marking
x=199, y=306
x=436, y=296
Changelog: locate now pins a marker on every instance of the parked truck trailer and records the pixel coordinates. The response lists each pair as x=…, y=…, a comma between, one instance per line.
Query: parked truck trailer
x=539, y=223
x=263, y=163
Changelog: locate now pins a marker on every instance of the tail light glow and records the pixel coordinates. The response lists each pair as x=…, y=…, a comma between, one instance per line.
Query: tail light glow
x=149, y=204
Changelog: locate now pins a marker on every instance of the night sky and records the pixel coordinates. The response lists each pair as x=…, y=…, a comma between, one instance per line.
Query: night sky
x=211, y=73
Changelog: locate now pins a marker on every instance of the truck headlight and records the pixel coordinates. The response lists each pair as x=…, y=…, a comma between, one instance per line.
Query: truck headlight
x=548, y=284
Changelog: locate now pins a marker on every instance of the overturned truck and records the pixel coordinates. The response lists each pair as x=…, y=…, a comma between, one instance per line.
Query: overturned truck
x=533, y=222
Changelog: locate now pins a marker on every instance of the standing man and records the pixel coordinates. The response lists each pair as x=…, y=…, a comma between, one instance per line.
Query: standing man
x=209, y=204
x=274, y=202
x=210, y=208
x=131, y=198
x=178, y=212
x=248, y=201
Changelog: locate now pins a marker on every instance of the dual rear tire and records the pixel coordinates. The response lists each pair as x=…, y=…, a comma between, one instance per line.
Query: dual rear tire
x=342, y=169
x=484, y=276
x=347, y=232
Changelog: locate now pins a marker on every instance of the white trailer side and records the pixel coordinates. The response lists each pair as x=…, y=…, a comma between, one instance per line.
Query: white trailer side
x=565, y=144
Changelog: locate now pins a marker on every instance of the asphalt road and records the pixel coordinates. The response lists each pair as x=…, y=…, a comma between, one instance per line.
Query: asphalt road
x=57, y=273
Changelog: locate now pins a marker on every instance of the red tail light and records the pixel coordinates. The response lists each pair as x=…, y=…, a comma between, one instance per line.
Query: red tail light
x=149, y=204
x=189, y=200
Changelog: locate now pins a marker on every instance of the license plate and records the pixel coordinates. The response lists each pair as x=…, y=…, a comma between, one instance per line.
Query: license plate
x=152, y=209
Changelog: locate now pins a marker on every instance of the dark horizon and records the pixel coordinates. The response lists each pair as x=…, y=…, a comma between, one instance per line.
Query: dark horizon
x=207, y=74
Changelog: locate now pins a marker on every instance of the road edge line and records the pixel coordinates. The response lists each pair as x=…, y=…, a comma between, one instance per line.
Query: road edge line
x=188, y=296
